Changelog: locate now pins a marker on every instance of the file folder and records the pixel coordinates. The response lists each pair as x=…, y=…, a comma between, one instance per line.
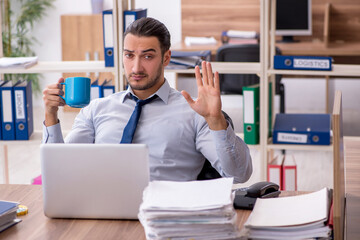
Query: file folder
x=275, y=171
x=95, y=91
x=289, y=179
x=311, y=129
x=107, y=88
x=190, y=59
x=24, y=125
x=251, y=111
x=132, y=15
x=7, y=112
x=302, y=63
x=1, y=83
x=108, y=32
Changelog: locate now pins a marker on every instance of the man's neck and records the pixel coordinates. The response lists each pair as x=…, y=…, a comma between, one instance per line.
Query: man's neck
x=144, y=94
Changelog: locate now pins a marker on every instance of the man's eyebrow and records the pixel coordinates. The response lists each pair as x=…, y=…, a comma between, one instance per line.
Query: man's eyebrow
x=149, y=50
x=144, y=51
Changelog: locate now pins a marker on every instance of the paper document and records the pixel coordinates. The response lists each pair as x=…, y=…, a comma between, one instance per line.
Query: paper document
x=296, y=217
x=17, y=62
x=189, y=210
x=190, y=41
x=188, y=195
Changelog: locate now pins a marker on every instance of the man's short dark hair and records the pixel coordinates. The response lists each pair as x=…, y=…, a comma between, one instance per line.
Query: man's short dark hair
x=150, y=27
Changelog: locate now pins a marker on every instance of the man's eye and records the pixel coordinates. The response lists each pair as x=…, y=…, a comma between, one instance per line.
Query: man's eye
x=128, y=55
x=148, y=57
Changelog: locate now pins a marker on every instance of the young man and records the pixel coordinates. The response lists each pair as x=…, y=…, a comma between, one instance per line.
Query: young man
x=179, y=131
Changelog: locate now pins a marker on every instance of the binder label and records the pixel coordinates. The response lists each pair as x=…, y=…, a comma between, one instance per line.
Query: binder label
x=291, y=137
x=249, y=110
x=108, y=92
x=19, y=104
x=311, y=63
x=7, y=106
x=128, y=20
x=108, y=31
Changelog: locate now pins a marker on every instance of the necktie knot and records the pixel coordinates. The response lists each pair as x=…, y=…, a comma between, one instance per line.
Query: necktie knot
x=140, y=102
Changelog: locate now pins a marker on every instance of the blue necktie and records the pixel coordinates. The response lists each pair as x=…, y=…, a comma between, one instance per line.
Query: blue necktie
x=130, y=127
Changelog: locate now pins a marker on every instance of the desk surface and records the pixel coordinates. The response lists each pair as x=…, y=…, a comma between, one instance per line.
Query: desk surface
x=352, y=187
x=36, y=225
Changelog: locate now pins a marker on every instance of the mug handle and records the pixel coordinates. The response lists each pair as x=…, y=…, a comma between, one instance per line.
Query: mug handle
x=60, y=95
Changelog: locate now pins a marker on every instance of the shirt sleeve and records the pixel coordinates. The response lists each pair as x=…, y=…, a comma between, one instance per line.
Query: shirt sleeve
x=228, y=154
x=52, y=134
x=82, y=130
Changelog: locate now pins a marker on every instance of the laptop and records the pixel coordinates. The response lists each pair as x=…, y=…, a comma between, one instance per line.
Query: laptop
x=100, y=181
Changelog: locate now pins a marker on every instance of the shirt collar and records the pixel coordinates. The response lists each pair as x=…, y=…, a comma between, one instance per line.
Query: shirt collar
x=163, y=93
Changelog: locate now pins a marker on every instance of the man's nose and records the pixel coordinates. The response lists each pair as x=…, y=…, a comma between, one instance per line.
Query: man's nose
x=137, y=67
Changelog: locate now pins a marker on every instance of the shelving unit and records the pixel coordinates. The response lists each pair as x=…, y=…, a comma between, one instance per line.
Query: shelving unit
x=268, y=11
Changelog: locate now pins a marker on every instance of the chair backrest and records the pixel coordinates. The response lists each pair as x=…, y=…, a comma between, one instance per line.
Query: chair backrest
x=233, y=83
x=339, y=168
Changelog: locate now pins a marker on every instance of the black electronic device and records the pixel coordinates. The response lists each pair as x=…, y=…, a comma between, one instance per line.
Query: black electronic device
x=245, y=198
x=293, y=18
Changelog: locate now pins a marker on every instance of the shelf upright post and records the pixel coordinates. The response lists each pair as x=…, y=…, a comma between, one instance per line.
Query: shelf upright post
x=264, y=83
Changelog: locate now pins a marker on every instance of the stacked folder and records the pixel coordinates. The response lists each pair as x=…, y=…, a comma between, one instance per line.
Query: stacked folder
x=8, y=214
x=297, y=217
x=189, y=210
x=188, y=59
x=16, y=115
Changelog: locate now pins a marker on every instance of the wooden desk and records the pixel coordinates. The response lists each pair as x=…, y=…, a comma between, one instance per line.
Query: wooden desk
x=352, y=187
x=36, y=225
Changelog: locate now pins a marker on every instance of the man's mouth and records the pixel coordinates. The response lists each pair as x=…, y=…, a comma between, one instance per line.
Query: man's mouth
x=137, y=76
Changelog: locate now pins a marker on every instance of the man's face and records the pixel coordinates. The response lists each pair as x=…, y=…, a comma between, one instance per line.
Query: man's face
x=144, y=63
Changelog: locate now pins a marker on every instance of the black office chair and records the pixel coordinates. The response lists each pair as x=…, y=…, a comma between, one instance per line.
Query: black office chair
x=233, y=83
x=208, y=172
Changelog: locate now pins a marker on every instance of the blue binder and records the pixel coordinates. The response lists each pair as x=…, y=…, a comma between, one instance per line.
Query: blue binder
x=7, y=111
x=313, y=129
x=108, y=33
x=303, y=63
x=1, y=83
x=24, y=123
x=131, y=15
x=107, y=88
x=95, y=91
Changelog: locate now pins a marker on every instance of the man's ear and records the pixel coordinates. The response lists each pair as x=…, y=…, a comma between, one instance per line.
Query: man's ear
x=167, y=57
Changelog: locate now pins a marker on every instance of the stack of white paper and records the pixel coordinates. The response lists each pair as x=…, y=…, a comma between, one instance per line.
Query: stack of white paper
x=190, y=41
x=241, y=34
x=296, y=217
x=189, y=210
x=17, y=62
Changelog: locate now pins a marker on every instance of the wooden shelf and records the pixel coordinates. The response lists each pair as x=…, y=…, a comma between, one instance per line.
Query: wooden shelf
x=327, y=148
x=338, y=70
x=226, y=67
x=62, y=67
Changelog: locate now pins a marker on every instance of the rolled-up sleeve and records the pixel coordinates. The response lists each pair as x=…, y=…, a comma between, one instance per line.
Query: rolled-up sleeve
x=233, y=154
x=52, y=134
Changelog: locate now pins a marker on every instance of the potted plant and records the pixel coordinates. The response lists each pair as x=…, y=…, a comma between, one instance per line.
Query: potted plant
x=16, y=33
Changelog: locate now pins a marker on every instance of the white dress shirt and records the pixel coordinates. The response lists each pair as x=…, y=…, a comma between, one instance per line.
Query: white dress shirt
x=178, y=138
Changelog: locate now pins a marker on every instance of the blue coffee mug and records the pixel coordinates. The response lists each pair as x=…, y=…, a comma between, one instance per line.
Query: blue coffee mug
x=77, y=91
